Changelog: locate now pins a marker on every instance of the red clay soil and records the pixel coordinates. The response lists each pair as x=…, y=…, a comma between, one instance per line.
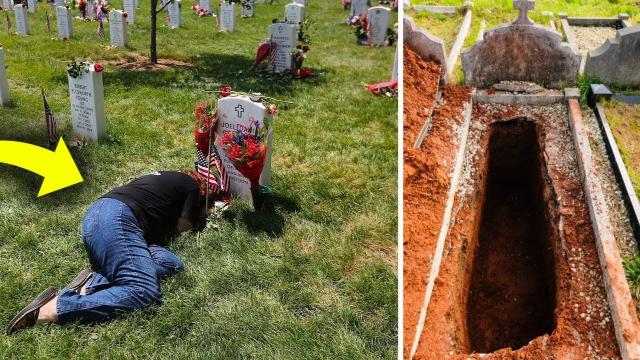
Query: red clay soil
x=420, y=90
x=426, y=177
x=581, y=326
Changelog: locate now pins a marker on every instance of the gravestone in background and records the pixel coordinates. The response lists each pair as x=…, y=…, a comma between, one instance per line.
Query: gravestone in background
x=22, y=21
x=378, y=17
x=130, y=7
x=302, y=2
x=7, y=5
x=237, y=112
x=32, y=6
x=227, y=17
x=359, y=7
x=118, y=28
x=175, y=19
x=87, y=105
x=617, y=61
x=248, y=8
x=429, y=47
x=63, y=20
x=4, y=83
x=205, y=4
x=91, y=10
x=294, y=13
x=284, y=36
x=59, y=3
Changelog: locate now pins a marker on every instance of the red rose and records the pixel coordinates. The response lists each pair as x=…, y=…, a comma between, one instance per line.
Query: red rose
x=227, y=138
x=225, y=90
x=305, y=73
x=235, y=152
x=98, y=68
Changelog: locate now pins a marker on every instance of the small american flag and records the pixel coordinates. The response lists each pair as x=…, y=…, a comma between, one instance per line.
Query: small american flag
x=48, y=23
x=100, y=24
x=273, y=53
x=8, y=22
x=219, y=185
x=51, y=123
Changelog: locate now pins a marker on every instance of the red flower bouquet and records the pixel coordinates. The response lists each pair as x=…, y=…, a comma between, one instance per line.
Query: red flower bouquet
x=206, y=116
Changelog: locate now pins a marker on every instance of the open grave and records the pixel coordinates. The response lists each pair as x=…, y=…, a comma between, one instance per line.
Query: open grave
x=509, y=251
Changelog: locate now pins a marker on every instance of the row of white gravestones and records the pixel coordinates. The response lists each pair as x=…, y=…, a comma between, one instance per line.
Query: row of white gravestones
x=206, y=5
x=227, y=17
x=173, y=9
x=22, y=21
x=378, y=17
x=359, y=7
x=118, y=28
x=63, y=18
x=32, y=6
x=130, y=7
x=248, y=8
x=283, y=36
x=87, y=104
x=4, y=83
x=294, y=13
x=238, y=112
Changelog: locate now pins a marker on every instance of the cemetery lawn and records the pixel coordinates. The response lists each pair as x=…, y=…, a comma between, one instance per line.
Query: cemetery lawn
x=315, y=280
x=624, y=120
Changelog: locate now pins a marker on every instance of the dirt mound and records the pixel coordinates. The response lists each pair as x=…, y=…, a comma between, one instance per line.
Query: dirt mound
x=137, y=62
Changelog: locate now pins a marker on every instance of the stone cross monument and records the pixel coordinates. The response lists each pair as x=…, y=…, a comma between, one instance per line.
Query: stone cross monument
x=524, y=6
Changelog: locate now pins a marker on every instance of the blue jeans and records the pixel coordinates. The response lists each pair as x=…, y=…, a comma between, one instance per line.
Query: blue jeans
x=128, y=270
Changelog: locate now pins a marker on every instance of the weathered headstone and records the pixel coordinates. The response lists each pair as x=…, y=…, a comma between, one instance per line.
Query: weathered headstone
x=248, y=8
x=87, y=104
x=173, y=9
x=294, y=13
x=378, y=17
x=118, y=28
x=359, y=7
x=524, y=6
x=206, y=5
x=302, y=2
x=618, y=60
x=22, y=21
x=130, y=7
x=429, y=47
x=7, y=5
x=59, y=3
x=237, y=112
x=4, y=83
x=32, y=6
x=284, y=37
x=63, y=19
x=228, y=17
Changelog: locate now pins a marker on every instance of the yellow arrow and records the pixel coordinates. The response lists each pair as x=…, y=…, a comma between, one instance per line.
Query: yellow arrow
x=57, y=167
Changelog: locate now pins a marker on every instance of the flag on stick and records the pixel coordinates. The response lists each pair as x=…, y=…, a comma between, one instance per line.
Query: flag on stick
x=8, y=22
x=209, y=168
x=273, y=54
x=51, y=123
x=48, y=23
x=100, y=25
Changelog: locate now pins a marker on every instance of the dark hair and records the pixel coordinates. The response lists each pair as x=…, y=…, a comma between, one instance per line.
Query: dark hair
x=202, y=183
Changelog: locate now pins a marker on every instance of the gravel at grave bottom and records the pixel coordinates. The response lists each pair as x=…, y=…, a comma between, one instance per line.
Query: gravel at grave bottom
x=574, y=319
x=420, y=87
x=427, y=177
x=591, y=37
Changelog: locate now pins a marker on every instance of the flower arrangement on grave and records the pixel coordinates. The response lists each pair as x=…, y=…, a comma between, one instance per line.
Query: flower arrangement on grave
x=104, y=6
x=76, y=69
x=299, y=54
x=206, y=116
x=200, y=11
x=388, y=89
x=360, y=26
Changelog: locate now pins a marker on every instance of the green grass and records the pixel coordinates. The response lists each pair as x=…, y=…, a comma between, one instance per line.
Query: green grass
x=624, y=120
x=632, y=271
x=314, y=280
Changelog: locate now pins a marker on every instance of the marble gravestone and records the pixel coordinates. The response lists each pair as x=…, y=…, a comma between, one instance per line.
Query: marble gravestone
x=63, y=19
x=91, y=10
x=7, y=5
x=284, y=37
x=294, y=13
x=32, y=6
x=22, y=21
x=173, y=9
x=87, y=104
x=130, y=7
x=59, y=3
x=378, y=17
x=359, y=7
x=302, y=2
x=228, y=17
x=237, y=112
x=248, y=8
x=118, y=28
x=4, y=83
x=205, y=4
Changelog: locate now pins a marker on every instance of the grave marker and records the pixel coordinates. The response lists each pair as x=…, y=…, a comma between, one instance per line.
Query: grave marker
x=237, y=112
x=22, y=22
x=248, y=8
x=206, y=5
x=32, y=6
x=524, y=6
x=4, y=83
x=294, y=13
x=302, y=2
x=118, y=28
x=91, y=10
x=87, y=104
x=174, y=14
x=63, y=19
x=130, y=7
x=228, y=17
x=59, y=3
x=284, y=36
x=359, y=7
x=378, y=17
x=7, y=5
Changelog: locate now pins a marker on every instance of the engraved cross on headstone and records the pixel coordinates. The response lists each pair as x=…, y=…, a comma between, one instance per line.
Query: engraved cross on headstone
x=524, y=6
x=240, y=110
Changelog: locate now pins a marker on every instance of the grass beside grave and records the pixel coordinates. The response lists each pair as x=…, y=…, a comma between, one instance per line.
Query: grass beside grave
x=315, y=280
x=624, y=120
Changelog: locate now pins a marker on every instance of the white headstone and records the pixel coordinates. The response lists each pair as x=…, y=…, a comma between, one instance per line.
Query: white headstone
x=228, y=17
x=59, y=3
x=91, y=9
x=175, y=19
x=63, y=18
x=294, y=13
x=205, y=4
x=7, y=5
x=4, y=83
x=118, y=28
x=302, y=2
x=248, y=8
x=130, y=7
x=237, y=112
x=22, y=22
x=284, y=36
x=359, y=7
x=32, y=6
x=378, y=17
x=87, y=105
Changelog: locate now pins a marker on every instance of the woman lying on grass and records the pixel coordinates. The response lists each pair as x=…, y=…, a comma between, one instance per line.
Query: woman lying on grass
x=122, y=233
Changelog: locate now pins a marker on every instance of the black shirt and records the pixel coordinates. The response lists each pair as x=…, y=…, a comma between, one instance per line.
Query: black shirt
x=158, y=200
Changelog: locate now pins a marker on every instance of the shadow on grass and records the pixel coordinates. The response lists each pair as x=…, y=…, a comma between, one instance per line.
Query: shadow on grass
x=270, y=219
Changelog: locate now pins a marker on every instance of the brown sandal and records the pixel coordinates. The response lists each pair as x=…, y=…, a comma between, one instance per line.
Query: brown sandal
x=29, y=315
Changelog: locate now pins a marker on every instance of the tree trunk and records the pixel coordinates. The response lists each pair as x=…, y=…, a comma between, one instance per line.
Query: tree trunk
x=153, y=56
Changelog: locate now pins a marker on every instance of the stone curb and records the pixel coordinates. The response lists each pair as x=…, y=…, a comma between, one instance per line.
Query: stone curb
x=546, y=98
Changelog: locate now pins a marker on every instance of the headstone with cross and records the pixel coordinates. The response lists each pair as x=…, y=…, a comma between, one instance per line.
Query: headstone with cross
x=524, y=6
x=294, y=13
x=378, y=17
x=237, y=112
x=284, y=37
